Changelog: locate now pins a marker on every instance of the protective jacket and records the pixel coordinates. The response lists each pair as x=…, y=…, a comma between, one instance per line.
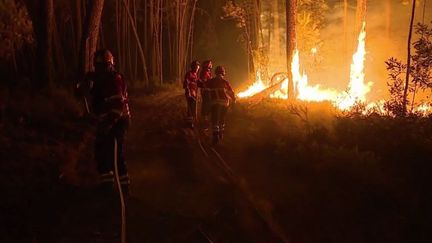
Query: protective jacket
x=220, y=91
x=204, y=76
x=109, y=92
x=190, y=84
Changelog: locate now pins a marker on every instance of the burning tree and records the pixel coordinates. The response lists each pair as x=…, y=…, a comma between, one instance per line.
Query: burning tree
x=291, y=17
x=265, y=26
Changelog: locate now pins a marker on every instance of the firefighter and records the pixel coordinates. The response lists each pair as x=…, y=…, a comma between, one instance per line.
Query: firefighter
x=108, y=91
x=204, y=76
x=221, y=95
x=190, y=85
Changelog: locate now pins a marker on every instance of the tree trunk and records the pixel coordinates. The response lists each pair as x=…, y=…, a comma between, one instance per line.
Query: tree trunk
x=156, y=38
x=161, y=42
x=42, y=16
x=255, y=21
x=152, y=61
x=78, y=21
x=135, y=32
x=291, y=16
x=117, y=28
x=90, y=35
x=135, y=47
x=177, y=43
x=405, y=94
x=252, y=32
x=188, y=38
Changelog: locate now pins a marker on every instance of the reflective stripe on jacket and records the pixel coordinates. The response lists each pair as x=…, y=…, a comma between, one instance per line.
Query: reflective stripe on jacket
x=109, y=93
x=219, y=91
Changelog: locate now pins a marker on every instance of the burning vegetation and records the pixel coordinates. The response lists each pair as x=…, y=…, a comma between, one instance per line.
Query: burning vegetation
x=356, y=90
x=270, y=83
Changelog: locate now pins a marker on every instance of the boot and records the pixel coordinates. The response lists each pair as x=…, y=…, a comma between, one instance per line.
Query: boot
x=189, y=122
x=125, y=183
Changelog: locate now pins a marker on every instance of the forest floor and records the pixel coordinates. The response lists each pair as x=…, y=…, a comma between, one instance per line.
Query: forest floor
x=284, y=173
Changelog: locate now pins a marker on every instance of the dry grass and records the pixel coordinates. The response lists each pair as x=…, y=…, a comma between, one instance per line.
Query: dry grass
x=332, y=178
x=42, y=136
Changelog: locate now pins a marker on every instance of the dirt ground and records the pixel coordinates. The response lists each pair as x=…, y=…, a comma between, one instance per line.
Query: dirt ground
x=251, y=188
x=180, y=194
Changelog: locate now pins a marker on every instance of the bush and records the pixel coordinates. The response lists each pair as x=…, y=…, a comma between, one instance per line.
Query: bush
x=340, y=177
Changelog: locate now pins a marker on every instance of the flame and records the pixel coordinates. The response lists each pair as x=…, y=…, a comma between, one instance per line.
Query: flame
x=255, y=88
x=303, y=90
x=423, y=109
x=357, y=89
x=282, y=93
x=314, y=50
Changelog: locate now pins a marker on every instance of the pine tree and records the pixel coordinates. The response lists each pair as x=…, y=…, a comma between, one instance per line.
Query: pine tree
x=42, y=15
x=90, y=35
x=291, y=14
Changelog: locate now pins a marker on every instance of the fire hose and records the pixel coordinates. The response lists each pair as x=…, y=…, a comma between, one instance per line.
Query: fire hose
x=119, y=188
x=275, y=228
x=117, y=181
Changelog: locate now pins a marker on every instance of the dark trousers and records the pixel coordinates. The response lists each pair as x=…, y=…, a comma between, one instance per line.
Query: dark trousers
x=218, y=113
x=104, y=148
x=205, y=105
x=191, y=109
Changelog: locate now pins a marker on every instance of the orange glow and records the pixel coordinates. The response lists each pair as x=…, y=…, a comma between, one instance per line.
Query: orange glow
x=357, y=89
x=255, y=88
x=303, y=90
x=423, y=109
x=355, y=93
x=314, y=50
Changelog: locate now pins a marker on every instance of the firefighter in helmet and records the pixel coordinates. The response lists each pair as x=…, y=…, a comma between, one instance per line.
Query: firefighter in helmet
x=220, y=96
x=204, y=76
x=190, y=85
x=108, y=91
